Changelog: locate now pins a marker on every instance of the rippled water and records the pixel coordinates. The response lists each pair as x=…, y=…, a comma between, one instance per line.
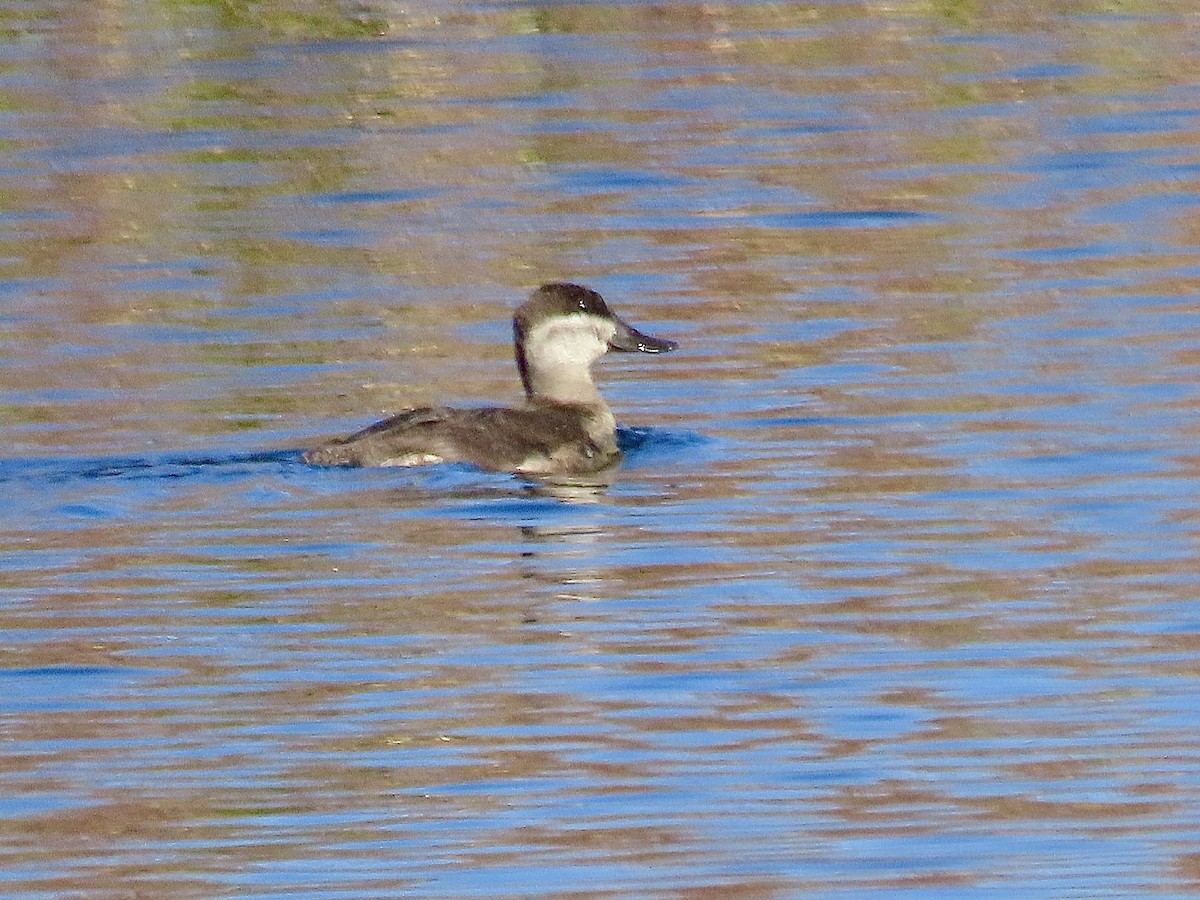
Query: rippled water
x=896, y=592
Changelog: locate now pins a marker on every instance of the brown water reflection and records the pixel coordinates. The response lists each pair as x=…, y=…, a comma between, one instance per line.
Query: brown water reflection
x=892, y=596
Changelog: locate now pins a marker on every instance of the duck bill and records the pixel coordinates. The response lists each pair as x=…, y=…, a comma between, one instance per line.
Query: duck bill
x=628, y=339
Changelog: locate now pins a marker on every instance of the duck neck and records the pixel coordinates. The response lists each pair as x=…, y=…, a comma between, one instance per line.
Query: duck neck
x=574, y=388
x=571, y=386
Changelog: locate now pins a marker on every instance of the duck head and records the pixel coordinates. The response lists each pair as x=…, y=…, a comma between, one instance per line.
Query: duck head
x=560, y=331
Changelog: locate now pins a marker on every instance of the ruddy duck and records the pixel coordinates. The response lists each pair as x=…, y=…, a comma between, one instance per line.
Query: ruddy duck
x=564, y=427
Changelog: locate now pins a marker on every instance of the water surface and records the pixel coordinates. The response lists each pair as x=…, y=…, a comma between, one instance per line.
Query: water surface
x=895, y=594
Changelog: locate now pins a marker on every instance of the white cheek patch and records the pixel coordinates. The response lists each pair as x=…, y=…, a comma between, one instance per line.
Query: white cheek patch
x=573, y=341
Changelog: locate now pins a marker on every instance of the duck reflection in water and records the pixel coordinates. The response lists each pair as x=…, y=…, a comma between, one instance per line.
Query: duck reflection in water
x=564, y=430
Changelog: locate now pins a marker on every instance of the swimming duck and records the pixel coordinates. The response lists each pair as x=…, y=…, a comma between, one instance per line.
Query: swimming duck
x=564, y=426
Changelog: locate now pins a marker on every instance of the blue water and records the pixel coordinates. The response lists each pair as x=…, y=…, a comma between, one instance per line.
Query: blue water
x=893, y=596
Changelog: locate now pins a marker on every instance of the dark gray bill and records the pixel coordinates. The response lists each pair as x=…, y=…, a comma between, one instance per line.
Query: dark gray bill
x=630, y=340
